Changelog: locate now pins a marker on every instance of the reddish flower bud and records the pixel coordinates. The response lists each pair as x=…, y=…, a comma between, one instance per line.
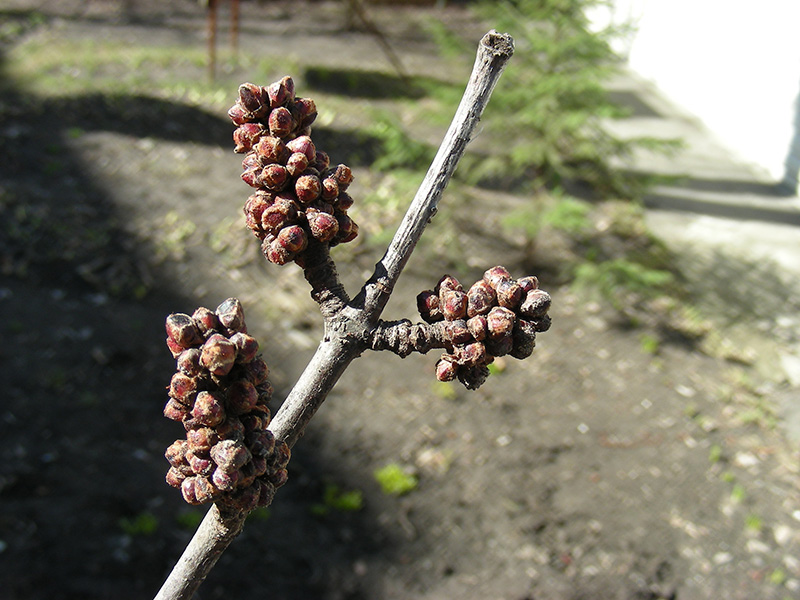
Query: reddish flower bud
x=253, y=98
x=266, y=493
x=536, y=303
x=509, y=294
x=446, y=368
x=174, y=347
x=183, y=330
x=329, y=189
x=293, y=238
x=478, y=327
x=189, y=362
x=176, y=453
x=252, y=177
x=218, y=355
x=278, y=478
x=453, y=304
x=270, y=150
x=182, y=388
x=321, y=161
x=495, y=275
x=457, y=332
x=188, y=491
x=246, y=347
x=307, y=188
x=280, y=122
x=225, y=481
x=471, y=354
x=275, y=253
x=239, y=115
x=447, y=282
x=201, y=440
x=348, y=229
x=230, y=429
x=246, y=136
x=175, y=411
x=305, y=145
x=208, y=409
x=230, y=455
x=343, y=176
x=231, y=314
x=261, y=443
x=305, y=109
x=242, y=397
x=343, y=201
x=296, y=163
x=428, y=306
x=274, y=177
x=205, y=491
x=254, y=209
x=500, y=321
x=323, y=226
x=175, y=477
x=257, y=371
x=206, y=320
x=528, y=283
x=480, y=299
x=282, y=213
x=199, y=464
x=280, y=456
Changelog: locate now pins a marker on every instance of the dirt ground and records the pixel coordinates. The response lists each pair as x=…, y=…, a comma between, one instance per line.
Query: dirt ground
x=593, y=470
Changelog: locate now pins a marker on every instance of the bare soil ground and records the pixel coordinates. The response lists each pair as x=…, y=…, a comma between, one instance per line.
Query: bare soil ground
x=593, y=470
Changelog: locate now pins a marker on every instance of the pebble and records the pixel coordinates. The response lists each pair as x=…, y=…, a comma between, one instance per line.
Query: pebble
x=757, y=547
x=782, y=534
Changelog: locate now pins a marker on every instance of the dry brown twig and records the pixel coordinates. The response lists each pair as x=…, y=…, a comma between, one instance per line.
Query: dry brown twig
x=352, y=325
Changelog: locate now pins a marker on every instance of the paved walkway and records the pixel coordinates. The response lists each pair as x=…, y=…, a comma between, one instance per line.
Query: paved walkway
x=727, y=220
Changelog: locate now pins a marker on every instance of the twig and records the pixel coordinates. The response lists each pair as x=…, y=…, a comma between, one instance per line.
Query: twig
x=352, y=327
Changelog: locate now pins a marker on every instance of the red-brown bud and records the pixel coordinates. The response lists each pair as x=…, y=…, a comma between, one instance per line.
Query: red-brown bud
x=188, y=490
x=281, y=92
x=348, y=229
x=278, y=478
x=239, y=115
x=253, y=98
x=456, y=332
x=199, y=464
x=246, y=136
x=509, y=294
x=218, y=355
x=453, y=304
x=257, y=371
x=230, y=429
x=204, y=490
x=246, y=347
x=280, y=122
x=242, y=397
x=175, y=411
x=343, y=201
x=343, y=176
x=305, y=109
x=270, y=149
x=280, y=456
x=182, y=388
x=175, y=477
x=206, y=320
x=183, y=330
x=321, y=161
x=323, y=226
x=274, y=177
x=524, y=339
x=446, y=368
x=230, y=455
x=478, y=327
x=330, y=189
x=208, y=409
x=473, y=377
x=305, y=145
x=261, y=443
x=176, y=453
x=536, y=304
x=282, y=213
x=293, y=238
x=252, y=177
x=275, y=253
x=480, y=299
x=447, y=282
x=307, y=188
x=500, y=322
x=201, y=440
x=254, y=209
x=495, y=275
x=189, y=362
x=296, y=163
x=231, y=314
x=528, y=283
x=174, y=347
x=225, y=481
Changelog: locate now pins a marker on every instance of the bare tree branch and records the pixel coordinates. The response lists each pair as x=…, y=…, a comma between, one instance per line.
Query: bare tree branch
x=351, y=327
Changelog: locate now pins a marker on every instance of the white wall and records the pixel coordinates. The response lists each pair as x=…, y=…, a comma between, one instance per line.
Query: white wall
x=735, y=64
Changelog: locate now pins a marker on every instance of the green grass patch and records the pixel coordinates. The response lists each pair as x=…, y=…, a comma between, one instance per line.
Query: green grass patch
x=395, y=481
x=145, y=523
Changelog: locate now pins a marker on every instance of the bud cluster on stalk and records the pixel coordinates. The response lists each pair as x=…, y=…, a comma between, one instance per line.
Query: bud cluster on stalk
x=497, y=316
x=220, y=394
x=299, y=196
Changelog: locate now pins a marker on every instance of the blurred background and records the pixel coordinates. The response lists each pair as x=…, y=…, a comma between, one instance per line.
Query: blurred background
x=648, y=449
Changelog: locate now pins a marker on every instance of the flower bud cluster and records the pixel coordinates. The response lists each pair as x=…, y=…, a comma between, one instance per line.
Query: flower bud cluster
x=220, y=393
x=299, y=196
x=497, y=316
